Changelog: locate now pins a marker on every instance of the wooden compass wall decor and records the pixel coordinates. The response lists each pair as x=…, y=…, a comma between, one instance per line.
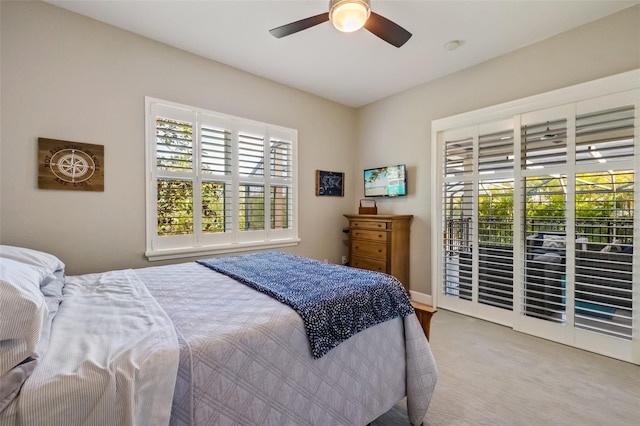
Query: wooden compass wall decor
x=72, y=166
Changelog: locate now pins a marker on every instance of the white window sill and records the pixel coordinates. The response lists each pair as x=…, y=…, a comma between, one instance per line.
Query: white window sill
x=177, y=253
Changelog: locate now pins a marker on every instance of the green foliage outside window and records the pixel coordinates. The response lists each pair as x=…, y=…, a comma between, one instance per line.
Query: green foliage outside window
x=214, y=208
x=495, y=213
x=603, y=207
x=175, y=207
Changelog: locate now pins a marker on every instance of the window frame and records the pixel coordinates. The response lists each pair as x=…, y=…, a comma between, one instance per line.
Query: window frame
x=199, y=243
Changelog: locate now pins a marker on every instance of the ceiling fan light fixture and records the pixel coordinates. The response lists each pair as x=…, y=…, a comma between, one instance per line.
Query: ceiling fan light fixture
x=349, y=15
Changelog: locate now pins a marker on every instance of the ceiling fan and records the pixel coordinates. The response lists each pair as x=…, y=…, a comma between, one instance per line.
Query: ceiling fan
x=349, y=16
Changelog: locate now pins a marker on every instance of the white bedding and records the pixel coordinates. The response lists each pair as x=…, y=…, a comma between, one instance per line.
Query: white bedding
x=245, y=359
x=112, y=359
x=184, y=345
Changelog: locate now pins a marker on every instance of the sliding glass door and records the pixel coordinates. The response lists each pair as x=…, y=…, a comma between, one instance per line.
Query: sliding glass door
x=538, y=224
x=478, y=220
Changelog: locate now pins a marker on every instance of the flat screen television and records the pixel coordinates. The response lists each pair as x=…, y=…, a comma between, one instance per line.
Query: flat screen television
x=389, y=181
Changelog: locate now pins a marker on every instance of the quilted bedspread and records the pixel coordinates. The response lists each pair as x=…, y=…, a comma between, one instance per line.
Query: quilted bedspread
x=334, y=301
x=245, y=359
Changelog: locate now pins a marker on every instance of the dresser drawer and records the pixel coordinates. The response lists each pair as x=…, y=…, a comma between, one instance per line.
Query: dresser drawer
x=368, y=249
x=369, y=264
x=380, y=243
x=368, y=224
x=367, y=234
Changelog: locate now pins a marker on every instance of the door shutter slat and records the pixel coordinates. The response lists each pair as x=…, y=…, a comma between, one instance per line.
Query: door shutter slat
x=544, y=294
x=458, y=208
x=495, y=152
x=544, y=144
x=605, y=136
x=495, y=242
x=604, y=271
x=459, y=157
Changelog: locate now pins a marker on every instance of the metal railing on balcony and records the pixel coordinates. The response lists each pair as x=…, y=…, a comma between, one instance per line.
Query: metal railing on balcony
x=498, y=231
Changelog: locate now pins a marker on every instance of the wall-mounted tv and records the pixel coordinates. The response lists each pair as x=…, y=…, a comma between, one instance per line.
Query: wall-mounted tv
x=389, y=181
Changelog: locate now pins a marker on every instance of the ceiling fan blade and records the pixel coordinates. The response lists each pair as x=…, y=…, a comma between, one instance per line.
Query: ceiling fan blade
x=387, y=30
x=300, y=25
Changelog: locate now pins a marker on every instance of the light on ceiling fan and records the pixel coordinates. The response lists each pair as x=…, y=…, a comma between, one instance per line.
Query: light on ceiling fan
x=349, y=15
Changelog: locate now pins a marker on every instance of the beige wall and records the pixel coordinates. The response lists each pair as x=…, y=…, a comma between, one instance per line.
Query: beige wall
x=68, y=77
x=398, y=129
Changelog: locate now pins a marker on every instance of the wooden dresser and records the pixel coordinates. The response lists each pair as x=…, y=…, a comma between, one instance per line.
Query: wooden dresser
x=380, y=243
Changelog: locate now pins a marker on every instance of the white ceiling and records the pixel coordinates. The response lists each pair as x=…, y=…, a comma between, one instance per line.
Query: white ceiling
x=353, y=69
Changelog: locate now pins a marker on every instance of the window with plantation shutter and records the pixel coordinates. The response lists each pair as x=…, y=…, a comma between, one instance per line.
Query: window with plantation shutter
x=174, y=163
x=217, y=183
x=216, y=151
x=251, y=207
x=216, y=171
x=250, y=155
x=174, y=145
x=281, y=174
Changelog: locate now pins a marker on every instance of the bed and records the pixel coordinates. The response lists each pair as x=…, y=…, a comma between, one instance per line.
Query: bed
x=198, y=344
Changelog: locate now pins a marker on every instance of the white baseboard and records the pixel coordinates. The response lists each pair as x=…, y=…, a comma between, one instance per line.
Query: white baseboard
x=424, y=298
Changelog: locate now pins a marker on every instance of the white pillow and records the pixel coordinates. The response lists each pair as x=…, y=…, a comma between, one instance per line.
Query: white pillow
x=557, y=242
x=47, y=261
x=23, y=311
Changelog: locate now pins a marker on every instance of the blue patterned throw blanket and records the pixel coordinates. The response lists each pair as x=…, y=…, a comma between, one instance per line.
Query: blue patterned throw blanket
x=334, y=301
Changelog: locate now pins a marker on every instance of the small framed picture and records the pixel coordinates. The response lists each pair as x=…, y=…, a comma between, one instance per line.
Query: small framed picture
x=329, y=184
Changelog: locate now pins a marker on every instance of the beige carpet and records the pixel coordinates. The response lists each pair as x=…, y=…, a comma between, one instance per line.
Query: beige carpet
x=492, y=375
